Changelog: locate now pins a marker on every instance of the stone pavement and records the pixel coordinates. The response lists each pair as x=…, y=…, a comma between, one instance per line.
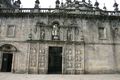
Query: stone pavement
x=10, y=76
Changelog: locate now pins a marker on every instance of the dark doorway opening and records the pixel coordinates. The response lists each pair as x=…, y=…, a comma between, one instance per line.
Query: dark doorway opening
x=55, y=60
x=6, y=62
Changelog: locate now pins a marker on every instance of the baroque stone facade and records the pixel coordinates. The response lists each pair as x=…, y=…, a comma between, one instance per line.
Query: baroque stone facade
x=57, y=41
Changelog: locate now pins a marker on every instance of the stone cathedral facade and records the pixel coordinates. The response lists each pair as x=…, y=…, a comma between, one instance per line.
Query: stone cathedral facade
x=73, y=38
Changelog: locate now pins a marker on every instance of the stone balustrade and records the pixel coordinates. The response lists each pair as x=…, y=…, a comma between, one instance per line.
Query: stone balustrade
x=54, y=10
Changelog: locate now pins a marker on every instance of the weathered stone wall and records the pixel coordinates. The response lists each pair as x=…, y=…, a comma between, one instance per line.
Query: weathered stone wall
x=99, y=59
x=98, y=55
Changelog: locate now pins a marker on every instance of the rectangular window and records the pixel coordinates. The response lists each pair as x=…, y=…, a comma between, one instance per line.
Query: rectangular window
x=102, y=33
x=11, y=31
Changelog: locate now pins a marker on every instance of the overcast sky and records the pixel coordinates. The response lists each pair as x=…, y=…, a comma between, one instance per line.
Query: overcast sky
x=51, y=3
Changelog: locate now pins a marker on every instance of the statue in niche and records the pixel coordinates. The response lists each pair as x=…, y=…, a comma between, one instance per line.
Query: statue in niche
x=76, y=31
x=0, y=29
x=42, y=34
x=35, y=29
x=69, y=34
x=55, y=32
x=116, y=32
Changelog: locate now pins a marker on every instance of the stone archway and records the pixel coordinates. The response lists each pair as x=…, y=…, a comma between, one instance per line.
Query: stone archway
x=7, y=57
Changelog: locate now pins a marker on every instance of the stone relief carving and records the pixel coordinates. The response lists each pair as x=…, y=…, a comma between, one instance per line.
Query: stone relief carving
x=78, y=65
x=41, y=59
x=42, y=51
x=78, y=52
x=42, y=55
x=78, y=55
x=79, y=62
x=69, y=59
x=42, y=65
x=69, y=65
x=33, y=57
x=78, y=58
x=70, y=51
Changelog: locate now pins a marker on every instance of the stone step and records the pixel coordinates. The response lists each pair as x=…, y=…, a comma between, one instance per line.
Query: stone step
x=11, y=76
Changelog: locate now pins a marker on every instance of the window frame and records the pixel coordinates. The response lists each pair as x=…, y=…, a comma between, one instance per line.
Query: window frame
x=13, y=31
x=104, y=37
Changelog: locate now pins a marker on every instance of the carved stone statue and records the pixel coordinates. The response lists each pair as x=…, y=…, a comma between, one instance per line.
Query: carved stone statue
x=55, y=32
x=69, y=34
x=42, y=34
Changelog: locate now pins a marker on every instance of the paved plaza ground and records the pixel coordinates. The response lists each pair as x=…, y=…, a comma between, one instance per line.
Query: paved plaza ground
x=11, y=76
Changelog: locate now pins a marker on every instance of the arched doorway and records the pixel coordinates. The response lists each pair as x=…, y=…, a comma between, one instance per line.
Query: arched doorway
x=7, y=51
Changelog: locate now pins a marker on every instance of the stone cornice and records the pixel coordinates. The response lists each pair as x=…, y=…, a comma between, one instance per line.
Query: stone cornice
x=65, y=13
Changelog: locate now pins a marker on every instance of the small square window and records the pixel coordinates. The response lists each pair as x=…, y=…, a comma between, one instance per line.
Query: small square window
x=102, y=33
x=11, y=31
